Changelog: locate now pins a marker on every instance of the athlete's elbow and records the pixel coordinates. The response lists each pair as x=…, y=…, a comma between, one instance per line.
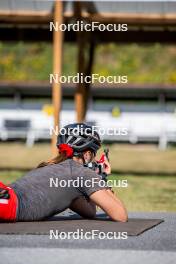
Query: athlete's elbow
x=91, y=216
x=90, y=213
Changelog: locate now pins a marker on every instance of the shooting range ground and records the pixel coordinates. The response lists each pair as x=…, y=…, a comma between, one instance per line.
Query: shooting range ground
x=136, y=159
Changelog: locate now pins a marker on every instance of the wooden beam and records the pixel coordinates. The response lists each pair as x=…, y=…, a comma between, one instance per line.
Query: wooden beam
x=32, y=17
x=38, y=17
x=57, y=69
x=130, y=18
x=167, y=36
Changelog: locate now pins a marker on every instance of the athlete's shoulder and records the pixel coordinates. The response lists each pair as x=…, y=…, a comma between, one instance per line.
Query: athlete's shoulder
x=74, y=163
x=79, y=169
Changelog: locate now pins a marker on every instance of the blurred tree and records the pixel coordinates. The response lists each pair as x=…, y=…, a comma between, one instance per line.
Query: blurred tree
x=143, y=64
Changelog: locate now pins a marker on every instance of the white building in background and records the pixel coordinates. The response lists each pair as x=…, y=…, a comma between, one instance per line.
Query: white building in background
x=129, y=114
x=114, y=126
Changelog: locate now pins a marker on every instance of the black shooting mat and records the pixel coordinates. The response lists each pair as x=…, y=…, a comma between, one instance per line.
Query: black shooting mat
x=133, y=227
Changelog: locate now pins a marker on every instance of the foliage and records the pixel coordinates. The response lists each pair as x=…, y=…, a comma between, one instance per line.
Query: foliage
x=142, y=64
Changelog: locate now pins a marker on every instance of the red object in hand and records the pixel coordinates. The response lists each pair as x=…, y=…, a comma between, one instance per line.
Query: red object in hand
x=102, y=159
x=66, y=149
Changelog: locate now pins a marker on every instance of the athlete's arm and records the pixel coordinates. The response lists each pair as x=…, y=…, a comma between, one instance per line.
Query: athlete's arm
x=111, y=204
x=84, y=207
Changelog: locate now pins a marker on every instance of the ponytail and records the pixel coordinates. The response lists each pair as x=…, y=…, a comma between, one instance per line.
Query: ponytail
x=59, y=158
x=65, y=152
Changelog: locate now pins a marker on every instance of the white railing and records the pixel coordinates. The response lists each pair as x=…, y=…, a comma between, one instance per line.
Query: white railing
x=146, y=127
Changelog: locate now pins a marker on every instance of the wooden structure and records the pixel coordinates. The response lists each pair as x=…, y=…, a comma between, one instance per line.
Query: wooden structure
x=19, y=91
x=148, y=22
x=57, y=69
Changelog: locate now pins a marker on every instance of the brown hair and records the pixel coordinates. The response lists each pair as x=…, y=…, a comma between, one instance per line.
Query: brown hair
x=59, y=158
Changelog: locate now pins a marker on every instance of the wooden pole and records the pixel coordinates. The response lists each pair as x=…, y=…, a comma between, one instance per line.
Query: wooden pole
x=85, y=45
x=89, y=72
x=84, y=66
x=80, y=89
x=57, y=69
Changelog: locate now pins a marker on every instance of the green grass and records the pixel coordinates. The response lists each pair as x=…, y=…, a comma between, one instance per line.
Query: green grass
x=10, y=176
x=148, y=193
x=151, y=192
x=124, y=158
x=144, y=193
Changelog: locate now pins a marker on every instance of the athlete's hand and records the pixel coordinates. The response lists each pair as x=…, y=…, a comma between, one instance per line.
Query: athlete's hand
x=106, y=166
